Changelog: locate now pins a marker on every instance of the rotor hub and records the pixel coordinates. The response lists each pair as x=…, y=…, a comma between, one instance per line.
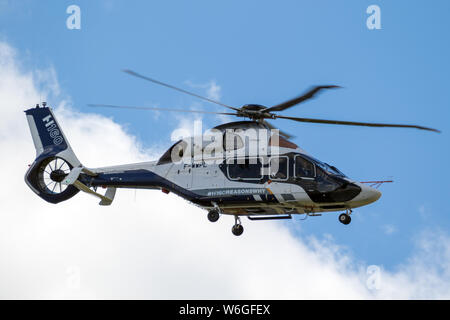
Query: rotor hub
x=255, y=112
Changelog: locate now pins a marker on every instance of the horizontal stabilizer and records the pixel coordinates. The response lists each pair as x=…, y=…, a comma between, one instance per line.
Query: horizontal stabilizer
x=106, y=199
x=109, y=195
x=72, y=179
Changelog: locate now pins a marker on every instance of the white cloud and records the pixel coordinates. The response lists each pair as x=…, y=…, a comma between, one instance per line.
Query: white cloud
x=426, y=275
x=389, y=229
x=156, y=245
x=213, y=90
x=424, y=213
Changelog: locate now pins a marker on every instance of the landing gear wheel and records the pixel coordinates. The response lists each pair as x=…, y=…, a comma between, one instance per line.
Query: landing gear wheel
x=237, y=229
x=213, y=215
x=345, y=218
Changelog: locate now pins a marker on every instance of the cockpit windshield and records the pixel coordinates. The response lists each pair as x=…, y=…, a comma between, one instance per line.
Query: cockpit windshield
x=325, y=166
x=334, y=170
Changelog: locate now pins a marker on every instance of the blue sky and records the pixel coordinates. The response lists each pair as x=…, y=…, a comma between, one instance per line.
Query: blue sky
x=266, y=52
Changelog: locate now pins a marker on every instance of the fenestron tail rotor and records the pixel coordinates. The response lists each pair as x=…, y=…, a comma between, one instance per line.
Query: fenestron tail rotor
x=260, y=113
x=52, y=175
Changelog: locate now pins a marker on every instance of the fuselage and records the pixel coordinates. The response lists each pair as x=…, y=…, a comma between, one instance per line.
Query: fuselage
x=242, y=180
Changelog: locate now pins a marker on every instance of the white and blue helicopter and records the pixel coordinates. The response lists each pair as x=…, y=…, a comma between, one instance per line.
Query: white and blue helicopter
x=245, y=168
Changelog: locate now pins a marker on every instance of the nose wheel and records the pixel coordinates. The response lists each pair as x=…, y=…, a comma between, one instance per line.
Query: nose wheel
x=345, y=218
x=237, y=229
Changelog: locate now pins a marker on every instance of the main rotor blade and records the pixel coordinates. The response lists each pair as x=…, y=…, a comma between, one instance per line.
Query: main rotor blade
x=282, y=133
x=178, y=89
x=308, y=95
x=353, y=123
x=158, y=109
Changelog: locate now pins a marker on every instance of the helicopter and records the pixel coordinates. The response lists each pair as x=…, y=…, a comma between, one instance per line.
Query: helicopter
x=246, y=168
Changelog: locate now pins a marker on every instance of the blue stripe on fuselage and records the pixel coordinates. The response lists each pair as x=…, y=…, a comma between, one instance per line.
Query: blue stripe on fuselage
x=145, y=178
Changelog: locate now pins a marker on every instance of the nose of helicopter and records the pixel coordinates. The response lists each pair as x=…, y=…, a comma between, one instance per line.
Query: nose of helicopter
x=366, y=196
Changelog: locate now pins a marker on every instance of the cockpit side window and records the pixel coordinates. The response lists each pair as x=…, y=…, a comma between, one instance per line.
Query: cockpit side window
x=279, y=168
x=326, y=167
x=304, y=168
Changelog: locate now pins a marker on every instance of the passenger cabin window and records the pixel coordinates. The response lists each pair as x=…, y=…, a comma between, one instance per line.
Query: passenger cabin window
x=304, y=168
x=232, y=141
x=244, y=169
x=279, y=168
